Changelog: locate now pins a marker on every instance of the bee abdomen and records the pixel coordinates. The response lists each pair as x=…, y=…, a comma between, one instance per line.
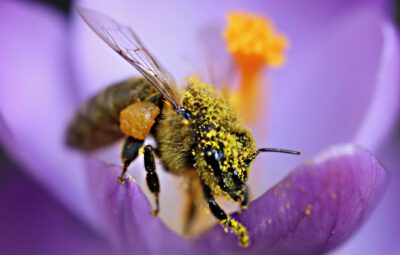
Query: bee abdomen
x=96, y=124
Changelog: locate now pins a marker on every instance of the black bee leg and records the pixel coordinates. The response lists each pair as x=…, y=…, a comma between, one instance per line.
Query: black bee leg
x=151, y=176
x=224, y=219
x=246, y=199
x=130, y=151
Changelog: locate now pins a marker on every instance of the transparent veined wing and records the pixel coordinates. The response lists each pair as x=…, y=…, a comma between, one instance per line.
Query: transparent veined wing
x=126, y=43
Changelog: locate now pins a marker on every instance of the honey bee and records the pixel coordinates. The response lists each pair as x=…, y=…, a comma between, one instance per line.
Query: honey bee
x=197, y=132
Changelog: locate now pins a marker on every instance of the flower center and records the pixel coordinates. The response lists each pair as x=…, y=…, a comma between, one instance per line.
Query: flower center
x=254, y=44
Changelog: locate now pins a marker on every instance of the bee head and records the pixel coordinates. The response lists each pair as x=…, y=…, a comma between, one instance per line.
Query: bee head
x=222, y=147
x=223, y=161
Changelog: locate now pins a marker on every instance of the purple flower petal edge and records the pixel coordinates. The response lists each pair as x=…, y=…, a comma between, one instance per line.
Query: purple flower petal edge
x=126, y=214
x=313, y=210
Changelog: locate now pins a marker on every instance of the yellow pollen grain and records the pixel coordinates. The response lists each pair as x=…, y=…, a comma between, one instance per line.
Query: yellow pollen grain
x=333, y=196
x=185, y=122
x=141, y=151
x=308, y=210
x=253, y=43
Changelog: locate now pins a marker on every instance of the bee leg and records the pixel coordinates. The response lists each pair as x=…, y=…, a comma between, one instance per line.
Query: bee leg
x=151, y=176
x=130, y=151
x=190, y=207
x=225, y=219
x=246, y=199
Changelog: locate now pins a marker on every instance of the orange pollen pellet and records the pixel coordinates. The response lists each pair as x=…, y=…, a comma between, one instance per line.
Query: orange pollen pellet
x=137, y=119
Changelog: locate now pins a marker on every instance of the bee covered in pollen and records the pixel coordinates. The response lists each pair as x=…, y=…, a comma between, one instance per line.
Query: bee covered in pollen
x=197, y=132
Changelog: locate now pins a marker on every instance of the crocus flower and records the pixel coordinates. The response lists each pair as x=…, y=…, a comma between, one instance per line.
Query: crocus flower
x=49, y=64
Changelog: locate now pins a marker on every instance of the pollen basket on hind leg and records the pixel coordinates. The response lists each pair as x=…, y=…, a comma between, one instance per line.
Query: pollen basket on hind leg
x=137, y=119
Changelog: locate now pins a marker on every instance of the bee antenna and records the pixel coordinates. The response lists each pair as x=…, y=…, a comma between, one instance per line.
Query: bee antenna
x=278, y=150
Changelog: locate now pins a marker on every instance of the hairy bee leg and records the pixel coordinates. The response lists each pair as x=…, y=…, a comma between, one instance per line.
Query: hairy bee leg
x=224, y=219
x=151, y=176
x=130, y=151
x=246, y=199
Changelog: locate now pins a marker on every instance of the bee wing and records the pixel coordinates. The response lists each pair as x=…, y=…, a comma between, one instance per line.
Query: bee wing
x=126, y=43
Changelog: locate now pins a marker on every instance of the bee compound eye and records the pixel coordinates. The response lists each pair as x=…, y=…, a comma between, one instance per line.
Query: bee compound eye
x=213, y=158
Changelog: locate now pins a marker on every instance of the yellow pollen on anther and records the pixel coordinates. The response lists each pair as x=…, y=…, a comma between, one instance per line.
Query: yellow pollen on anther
x=253, y=41
x=254, y=44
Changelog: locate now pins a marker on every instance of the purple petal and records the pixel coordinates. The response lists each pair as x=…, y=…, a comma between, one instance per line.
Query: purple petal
x=332, y=90
x=311, y=211
x=382, y=231
x=36, y=99
x=125, y=214
x=339, y=188
x=33, y=222
x=341, y=77
x=385, y=102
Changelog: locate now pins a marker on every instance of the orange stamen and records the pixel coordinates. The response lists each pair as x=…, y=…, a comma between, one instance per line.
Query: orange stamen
x=254, y=44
